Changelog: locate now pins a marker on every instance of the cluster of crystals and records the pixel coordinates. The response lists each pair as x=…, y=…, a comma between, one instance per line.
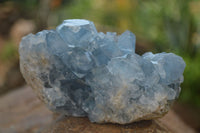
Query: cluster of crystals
x=78, y=71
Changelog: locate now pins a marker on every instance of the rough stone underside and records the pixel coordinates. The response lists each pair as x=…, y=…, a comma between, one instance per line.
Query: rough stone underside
x=78, y=71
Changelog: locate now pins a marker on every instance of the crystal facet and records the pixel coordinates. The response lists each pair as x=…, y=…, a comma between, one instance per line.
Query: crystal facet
x=78, y=71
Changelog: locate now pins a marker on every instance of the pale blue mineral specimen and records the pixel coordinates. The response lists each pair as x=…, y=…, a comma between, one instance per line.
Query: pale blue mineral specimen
x=78, y=71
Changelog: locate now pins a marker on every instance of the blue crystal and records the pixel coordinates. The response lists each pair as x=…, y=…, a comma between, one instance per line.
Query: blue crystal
x=126, y=42
x=78, y=71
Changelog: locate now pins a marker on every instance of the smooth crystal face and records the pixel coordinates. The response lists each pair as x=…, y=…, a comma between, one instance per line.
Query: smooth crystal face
x=78, y=71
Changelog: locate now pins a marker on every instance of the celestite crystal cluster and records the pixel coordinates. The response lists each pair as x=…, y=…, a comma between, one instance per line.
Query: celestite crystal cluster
x=78, y=71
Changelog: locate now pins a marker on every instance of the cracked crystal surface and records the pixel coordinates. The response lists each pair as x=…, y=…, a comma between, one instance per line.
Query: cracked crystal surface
x=78, y=71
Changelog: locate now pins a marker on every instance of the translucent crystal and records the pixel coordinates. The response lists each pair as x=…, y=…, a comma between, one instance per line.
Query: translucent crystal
x=78, y=71
x=126, y=42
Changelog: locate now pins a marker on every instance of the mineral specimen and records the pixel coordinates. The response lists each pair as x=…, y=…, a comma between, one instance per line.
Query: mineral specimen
x=78, y=71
